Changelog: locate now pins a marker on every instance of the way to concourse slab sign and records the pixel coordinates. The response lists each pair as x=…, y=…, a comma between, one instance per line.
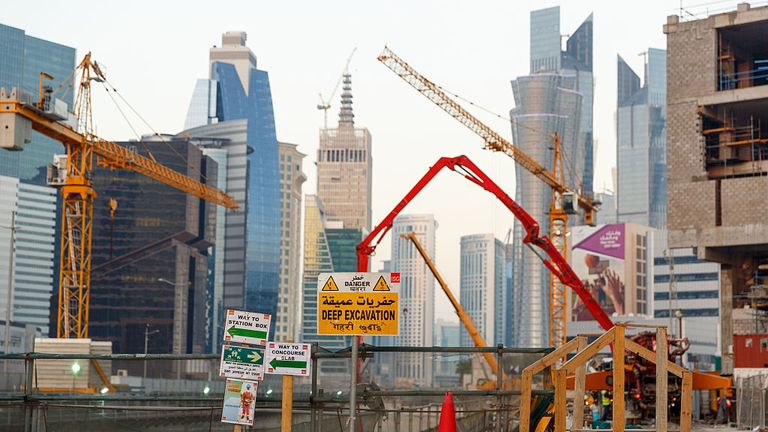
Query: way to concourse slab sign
x=242, y=362
x=251, y=328
x=288, y=359
x=358, y=304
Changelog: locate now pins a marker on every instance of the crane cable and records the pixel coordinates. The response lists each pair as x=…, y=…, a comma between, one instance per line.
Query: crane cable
x=108, y=86
x=575, y=177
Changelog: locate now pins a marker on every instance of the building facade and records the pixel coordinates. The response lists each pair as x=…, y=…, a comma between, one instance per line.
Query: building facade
x=641, y=141
x=482, y=288
x=546, y=103
x=417, y=297
x=686, y=293
x=345, y=168
x=556, y=98
x=27, y=242
x=237, y=91
x=716, y=155
x=287, y=323
x=23, y=58
x=328, y=247
x=216, y=253
x=150, y=270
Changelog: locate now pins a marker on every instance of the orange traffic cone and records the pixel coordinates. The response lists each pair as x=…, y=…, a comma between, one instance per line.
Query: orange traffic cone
x=447, y=415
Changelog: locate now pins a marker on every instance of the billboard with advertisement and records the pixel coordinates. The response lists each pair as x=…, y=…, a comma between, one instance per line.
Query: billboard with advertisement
x=598, y=258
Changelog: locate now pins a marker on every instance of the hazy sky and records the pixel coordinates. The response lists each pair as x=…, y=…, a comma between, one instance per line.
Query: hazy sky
x=153, y=51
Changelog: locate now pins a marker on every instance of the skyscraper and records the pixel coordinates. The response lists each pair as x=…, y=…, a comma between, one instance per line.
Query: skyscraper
x=22, y=59
x=481, y=292
x=555, y=98
x=641, y=141
x=417, y=297
x=30, y=211
x=344, y=168
x=150, y=261
x=328, y=247
x=239, y=93
x=289, y=298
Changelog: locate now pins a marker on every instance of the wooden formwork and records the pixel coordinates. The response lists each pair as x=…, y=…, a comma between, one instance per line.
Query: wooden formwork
x=561, y=369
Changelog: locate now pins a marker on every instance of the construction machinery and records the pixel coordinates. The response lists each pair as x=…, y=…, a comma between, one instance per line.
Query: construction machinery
x=539, y=244
x=563, y=197
x=50, y=117
x=325, y=103
x=466, y=320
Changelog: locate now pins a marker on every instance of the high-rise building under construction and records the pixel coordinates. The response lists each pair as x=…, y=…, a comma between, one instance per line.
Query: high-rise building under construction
x=344, y=168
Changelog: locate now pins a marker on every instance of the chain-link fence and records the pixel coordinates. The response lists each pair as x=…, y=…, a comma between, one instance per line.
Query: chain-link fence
x=752, y=401
x=400, y=389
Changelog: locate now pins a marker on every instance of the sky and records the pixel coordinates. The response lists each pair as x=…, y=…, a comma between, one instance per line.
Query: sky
x=154, y=51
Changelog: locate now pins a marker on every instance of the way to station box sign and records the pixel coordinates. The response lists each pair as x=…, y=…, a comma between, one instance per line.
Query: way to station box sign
x=288, y=359
x=358, y=304
x=242, y=362
x=251, y=328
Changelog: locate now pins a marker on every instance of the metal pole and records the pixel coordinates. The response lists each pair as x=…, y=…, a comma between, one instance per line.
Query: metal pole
x=499, y=381
x=30, y=364
x=9, y=299
x=146, y=343
x=353, y=387
x=313, y=420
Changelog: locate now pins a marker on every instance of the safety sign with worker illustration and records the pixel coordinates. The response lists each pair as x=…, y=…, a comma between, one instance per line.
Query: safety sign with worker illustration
x=239, y=396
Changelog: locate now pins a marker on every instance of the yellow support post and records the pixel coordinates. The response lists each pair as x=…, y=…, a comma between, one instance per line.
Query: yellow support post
x=618, y=379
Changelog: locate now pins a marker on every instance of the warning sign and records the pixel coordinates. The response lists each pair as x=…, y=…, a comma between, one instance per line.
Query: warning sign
x=239, y=396
x=249, y=328
x=330, y=285
x=358, y=303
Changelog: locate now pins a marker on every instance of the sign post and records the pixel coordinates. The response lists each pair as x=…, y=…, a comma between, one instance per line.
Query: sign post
x=357, y=304
x=242, y=362
x=288, y=359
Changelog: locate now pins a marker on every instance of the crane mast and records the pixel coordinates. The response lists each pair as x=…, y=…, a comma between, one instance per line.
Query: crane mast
x=555, y=179
x=84, y=148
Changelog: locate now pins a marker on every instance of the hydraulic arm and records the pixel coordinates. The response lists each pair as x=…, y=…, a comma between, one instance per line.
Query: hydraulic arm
x=540, y=245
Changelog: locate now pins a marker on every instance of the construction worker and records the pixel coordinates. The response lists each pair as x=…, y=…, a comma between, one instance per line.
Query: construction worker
x=605, y=402
x=246, y=399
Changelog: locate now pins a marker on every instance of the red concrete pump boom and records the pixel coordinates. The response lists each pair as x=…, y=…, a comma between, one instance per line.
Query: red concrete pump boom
x=540, y=245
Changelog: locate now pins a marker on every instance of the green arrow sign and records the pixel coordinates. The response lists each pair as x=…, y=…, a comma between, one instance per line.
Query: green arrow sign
x=275, y=363
x=237, y=331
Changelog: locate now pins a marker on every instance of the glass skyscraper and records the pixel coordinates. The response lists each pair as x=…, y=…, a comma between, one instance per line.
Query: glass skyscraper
x=555, y=98
x=328, y=247
x=22, y=58
x=151, y=263
x=242, y=92
x=482, y=289
x=641, y=141
x=31, y=209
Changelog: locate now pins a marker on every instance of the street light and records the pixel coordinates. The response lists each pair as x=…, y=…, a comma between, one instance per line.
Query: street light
x=206, y=390
x=147, y=334
x=9, y=300
x=75, y=370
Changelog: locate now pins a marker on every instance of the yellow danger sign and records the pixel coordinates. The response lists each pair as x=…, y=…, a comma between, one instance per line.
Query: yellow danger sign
x=358, y=304
x=330, y=285
x=381, y=285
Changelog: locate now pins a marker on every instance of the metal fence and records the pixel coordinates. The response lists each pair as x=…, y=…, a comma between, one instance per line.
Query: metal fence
x=752, y=401
x=401, y=389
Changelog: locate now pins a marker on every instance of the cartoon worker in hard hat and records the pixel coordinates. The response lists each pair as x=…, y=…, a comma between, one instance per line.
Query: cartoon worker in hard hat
x=246, y=399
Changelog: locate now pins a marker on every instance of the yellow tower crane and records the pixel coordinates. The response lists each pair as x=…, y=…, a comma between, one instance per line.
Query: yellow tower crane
x=563, y=198
x=17, y=116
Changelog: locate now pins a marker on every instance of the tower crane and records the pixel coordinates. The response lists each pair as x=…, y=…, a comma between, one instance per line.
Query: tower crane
x=17, y=116
x=563, y=197
x=325, y=104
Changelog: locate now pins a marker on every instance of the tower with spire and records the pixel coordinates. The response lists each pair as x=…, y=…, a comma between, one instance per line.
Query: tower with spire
x=344, y=168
